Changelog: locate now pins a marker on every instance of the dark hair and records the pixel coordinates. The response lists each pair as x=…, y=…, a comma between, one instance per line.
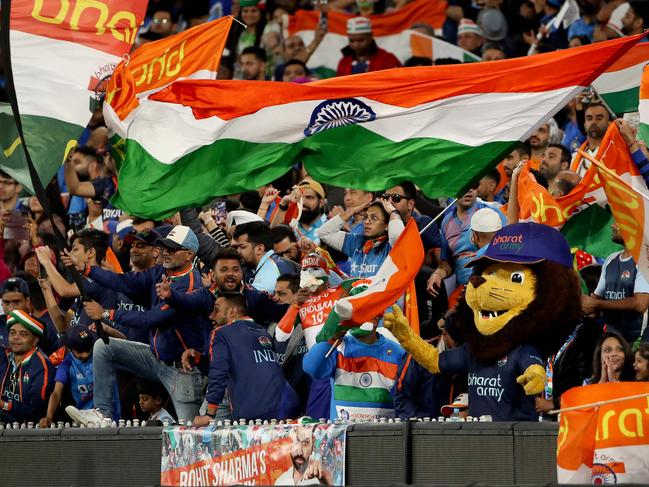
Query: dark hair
x=138, y=220
x=298, y=62
x=151, y=388
x=590, y=275
x=92, y=239
x=227, y=253
x=641, y=9
x=643, y=350
x=523, y=149
x=583, y=39
x=280, y=232
x=88, y=152
x=565, y=152
x=444, y=61
x=256, y=51
x=5, y=175
x=565, y=186
x=236, y=299
x=377, y=204
x=594, y=104
x=492, y=45
x=627, y=373
x=544, y=47
x=493, y=175
x=413, y=61
x=258, y=233
x=540, y=178
x=35, y=291
x=409, y=189
x=250, y=199
x=293, y=281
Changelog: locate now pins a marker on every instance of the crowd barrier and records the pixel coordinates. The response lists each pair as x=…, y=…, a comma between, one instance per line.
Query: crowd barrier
x=377, y=454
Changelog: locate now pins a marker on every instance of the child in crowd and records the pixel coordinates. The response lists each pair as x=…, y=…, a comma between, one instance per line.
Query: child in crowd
x=75, y=370
x=151, y=401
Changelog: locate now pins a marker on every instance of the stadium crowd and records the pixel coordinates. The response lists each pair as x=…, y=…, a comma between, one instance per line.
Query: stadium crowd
x=214, y=311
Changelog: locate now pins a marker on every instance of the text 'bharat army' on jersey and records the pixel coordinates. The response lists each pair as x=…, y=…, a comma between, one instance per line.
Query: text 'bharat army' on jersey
x=493, y=389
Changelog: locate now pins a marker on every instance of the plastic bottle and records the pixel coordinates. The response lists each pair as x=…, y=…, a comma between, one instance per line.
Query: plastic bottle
x=455, y=417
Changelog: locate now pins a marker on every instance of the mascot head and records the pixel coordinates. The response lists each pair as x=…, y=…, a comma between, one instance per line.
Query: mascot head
x=524, y=290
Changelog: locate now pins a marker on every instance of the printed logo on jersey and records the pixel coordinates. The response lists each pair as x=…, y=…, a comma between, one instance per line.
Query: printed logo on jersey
x=502, y=362
x=26, y=377
x=264, y=341
x=365, y=380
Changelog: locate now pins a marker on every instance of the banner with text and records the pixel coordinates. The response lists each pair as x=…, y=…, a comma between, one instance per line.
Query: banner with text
x=606, y=444
x=288, y=454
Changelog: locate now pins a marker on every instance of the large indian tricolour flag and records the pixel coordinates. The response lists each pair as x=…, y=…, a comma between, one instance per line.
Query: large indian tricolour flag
x=60, y=53
x=441, y=127
x=619, y=85
x=390, y=32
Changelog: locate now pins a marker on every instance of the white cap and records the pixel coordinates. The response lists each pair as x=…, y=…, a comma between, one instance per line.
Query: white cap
x=461, y=402
x=359, y=25
x=486, y=220
x=237, y=217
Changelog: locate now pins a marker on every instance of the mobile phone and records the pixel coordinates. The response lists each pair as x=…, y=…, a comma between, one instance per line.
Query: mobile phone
x=15, y=226
x=221, y=212
x=323, y=20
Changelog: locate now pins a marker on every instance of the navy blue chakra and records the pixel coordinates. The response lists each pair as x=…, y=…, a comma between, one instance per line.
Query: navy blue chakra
x=337, y=113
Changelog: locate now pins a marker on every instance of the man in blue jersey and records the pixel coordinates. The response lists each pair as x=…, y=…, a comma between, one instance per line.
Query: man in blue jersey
x=457, y=245
x=254, y=242
x=242, y=360
x=622, y=293
x=170, y=332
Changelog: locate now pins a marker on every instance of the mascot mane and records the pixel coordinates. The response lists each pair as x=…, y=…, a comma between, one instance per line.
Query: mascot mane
x=546, y=323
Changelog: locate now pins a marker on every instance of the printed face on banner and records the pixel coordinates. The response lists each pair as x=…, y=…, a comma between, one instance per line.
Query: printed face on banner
x=263, y=455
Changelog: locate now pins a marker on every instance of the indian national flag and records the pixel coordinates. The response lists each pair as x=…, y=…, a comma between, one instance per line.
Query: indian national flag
x=194, y=53
x=61, y=53
x=441, y=127
x=394, y=276
x=643, y=107
x=620, y=83
x=390, y=31
x=426, y=46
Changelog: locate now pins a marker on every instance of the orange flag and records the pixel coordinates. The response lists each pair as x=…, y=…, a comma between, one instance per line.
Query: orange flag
x=194, y=53
x=395, y=276
x=538, y=205
x=630, y=209
x=608, y=443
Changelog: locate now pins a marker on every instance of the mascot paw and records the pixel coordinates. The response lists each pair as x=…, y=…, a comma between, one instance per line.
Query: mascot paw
x=397, y=323
x=422, y=352
x=533, y=380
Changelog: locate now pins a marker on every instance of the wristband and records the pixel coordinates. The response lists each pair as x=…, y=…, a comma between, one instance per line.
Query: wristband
x=211, y=415
x=283, y=207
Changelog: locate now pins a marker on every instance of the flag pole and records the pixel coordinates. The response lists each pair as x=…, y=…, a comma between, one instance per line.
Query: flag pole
x=605, y=169
x=437, y=217
x=598, y=404
x=603, y=102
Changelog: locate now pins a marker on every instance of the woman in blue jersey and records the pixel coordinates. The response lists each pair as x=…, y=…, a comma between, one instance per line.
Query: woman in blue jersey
x=382, y=225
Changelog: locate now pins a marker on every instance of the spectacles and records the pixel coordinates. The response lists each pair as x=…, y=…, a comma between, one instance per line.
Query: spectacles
x=284, y=252
x=170, y=251
x=161, y=21
x=372, y=219
x=396, y=198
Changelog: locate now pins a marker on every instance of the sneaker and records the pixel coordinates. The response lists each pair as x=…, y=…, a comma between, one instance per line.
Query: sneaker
x=86, y=417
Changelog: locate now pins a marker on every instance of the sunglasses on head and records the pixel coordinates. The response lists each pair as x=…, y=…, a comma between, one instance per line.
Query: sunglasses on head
x=394, y=197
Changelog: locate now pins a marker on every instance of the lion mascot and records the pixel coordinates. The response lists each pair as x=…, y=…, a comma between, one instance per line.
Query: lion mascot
x=520, y=306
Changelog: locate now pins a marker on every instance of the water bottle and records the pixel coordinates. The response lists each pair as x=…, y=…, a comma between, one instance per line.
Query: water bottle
x=455, y=417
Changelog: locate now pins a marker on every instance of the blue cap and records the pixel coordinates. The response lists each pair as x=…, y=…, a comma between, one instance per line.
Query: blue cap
x=527, y=243
x=180, y=237
x=15, y=284
x=79, y=338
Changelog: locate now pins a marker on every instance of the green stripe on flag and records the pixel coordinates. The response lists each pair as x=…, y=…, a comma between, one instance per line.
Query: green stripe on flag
x=441, y=168
x=357, y=394
x=625, y=101
x=590, y=230
x=47, y=139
